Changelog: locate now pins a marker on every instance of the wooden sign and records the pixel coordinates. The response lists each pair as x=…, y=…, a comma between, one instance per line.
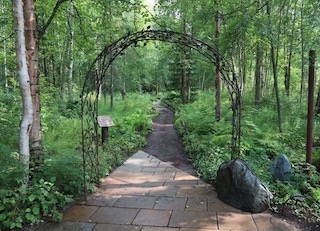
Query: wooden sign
x=105, y=121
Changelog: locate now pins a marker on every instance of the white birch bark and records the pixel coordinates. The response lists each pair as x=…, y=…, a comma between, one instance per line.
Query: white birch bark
x=27, y=116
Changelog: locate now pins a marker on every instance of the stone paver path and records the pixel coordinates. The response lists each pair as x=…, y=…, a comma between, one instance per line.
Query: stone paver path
x=146, y=194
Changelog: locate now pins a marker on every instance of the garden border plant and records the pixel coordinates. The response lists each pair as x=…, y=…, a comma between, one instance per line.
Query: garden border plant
x=206, y=141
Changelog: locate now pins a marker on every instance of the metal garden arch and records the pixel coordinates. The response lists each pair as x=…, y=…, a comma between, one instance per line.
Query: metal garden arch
x=97, y=72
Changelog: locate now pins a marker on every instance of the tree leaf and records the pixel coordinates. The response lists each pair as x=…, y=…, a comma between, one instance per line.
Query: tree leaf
x=35, y=210
x=3, y=216
x=32, y=197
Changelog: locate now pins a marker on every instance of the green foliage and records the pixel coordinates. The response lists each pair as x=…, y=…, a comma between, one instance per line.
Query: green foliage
x=61, y=173
x=208, y=143
x=205, y=139
x=172, y=99
x=10, y=114
x=65, y=171
x=11, y=170
x=30, y=205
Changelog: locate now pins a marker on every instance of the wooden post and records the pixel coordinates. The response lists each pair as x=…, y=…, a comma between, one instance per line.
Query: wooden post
x=104, y=134
x=105, y=122
x=309, y=146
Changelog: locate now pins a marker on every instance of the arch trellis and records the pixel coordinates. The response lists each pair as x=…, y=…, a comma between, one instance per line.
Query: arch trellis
x=97, y=72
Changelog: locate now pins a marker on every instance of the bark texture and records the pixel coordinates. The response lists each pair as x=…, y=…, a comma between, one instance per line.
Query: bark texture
x=27, y=116
x=32, y=47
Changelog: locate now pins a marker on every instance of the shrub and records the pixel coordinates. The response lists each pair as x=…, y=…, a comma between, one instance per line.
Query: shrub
x=30, y=205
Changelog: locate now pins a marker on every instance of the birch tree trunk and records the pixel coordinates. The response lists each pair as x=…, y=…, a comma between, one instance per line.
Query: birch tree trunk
x=32, y=47
x=27, y=116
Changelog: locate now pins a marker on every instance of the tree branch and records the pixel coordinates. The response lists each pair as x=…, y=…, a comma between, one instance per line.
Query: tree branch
x=6, y=38
x=42, y=31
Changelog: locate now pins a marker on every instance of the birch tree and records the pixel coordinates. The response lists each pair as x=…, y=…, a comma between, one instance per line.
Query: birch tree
x=27, y=116
x=32, y=49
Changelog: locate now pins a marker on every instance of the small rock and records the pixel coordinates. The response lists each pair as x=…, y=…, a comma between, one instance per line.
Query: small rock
x=239, y=187
x=281, y=168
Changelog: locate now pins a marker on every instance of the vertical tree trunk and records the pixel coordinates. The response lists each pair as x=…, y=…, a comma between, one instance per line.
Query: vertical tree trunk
x=63, y=57
x=111, y=86
x=217, y=72
x=290, y=51
x=71, y=29
x=32, y=47
x=310, y=122
x=258, y=75
x=4, y=70
x=241, y=66
x=302, y=51
x=27, y=116
x=184, y=81
x=317, y=107
x=184, y=76
x=275, y=74
x=189, y=75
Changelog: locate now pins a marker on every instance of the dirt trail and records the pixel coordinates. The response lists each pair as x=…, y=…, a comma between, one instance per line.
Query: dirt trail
x=165, y=144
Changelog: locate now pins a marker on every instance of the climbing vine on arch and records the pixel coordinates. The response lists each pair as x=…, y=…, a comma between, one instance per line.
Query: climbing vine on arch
x=97, y=73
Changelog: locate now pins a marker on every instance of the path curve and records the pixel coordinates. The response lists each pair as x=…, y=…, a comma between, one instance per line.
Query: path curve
x=165, y=144
x=149, y=193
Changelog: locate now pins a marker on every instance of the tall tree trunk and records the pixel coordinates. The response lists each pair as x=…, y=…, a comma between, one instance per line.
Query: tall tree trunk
x=290, y=51
x=217, y=71
x=4, y=44
x=184, y=76
x=27, y=116
x=242, y=65
x=71, y=29
x=5, y=75
x=184, y=63
x=32, y=47
x=275, y=74
x=111, y=86
x=258, y=75
x=317, y=107
x=189, y=75
x=63, y=57
x=302, y=52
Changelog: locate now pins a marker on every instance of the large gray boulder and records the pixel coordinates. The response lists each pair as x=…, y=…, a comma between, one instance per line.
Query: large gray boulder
x=239, y=187
x=281, y=168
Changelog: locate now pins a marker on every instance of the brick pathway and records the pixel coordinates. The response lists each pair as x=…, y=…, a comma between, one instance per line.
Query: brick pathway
x=146, y=194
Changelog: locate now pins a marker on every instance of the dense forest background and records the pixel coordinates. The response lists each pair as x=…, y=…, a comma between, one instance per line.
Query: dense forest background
x=267, y=43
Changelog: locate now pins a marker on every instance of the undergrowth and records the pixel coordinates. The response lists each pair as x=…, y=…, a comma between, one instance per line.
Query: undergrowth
x=208, y=144
x=60, y=178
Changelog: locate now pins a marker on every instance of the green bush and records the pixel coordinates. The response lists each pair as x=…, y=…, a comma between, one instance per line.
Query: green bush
x=30, y=205
x=65, y=171
x=10, y=116
x=208, y=144
x=11, y=170
x=61, y=173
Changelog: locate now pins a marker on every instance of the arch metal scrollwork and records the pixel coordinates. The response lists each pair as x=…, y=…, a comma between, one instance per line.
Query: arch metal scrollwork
x=97, y=72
